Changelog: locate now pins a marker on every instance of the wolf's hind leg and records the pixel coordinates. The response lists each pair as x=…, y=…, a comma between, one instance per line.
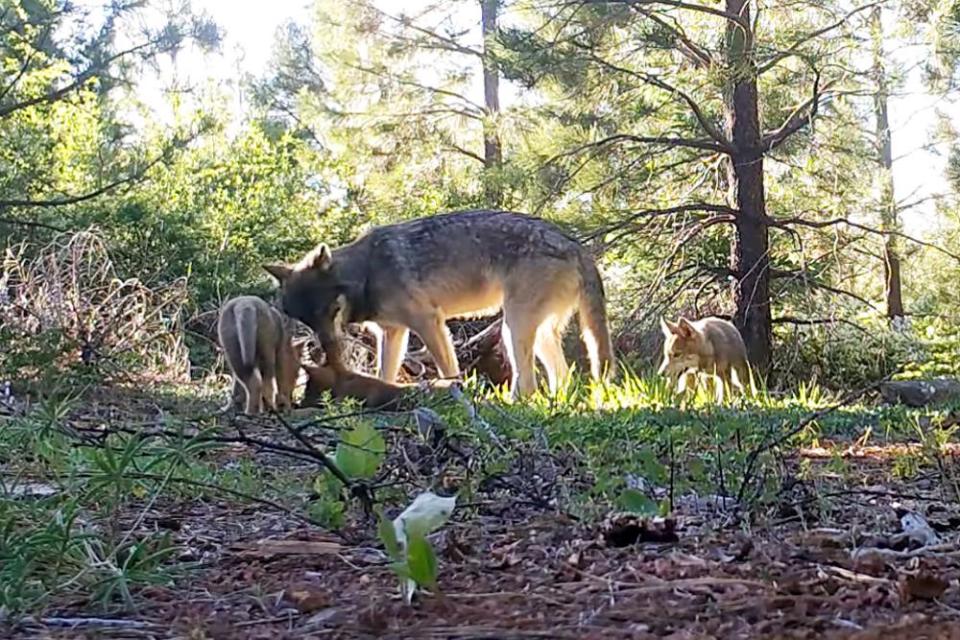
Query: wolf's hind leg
x=268, y=374
x=519, y=338
x=237, y=393
x=549, y=350
x=253, y=384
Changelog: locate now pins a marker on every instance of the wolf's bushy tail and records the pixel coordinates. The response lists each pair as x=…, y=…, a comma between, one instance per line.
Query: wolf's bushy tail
x=593, y=321
x=246, y=320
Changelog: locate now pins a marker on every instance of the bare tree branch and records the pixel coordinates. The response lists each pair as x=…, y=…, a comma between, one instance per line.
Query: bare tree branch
x=691, y=49
x=709, y=127
x=90, y=195
x=801, y=117
x=819, y=224
x=32, y=224
x=466, y=152
x=78, y=81
x=679, y=4
x=816, y=321
x=653, y=213
x=425, y=87
x=769, y=64
x=808, y=280
x=449, y=43
x=708, y=145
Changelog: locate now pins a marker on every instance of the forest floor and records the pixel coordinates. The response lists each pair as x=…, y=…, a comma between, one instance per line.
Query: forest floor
x=830, y=556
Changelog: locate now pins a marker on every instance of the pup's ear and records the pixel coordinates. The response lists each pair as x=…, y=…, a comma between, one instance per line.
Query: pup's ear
x=279, y=271
x=319, y=258
x=667, y=327
x=685, y=328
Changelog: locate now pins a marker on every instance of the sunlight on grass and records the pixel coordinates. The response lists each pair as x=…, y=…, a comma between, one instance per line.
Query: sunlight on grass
x=634, y=438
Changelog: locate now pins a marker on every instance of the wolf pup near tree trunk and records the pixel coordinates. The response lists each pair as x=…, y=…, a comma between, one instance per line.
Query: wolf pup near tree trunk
x=258, y=344
x=711, y=346
x=416, y=275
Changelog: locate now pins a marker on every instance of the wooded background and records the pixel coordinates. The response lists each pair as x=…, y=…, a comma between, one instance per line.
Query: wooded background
x=725, y=157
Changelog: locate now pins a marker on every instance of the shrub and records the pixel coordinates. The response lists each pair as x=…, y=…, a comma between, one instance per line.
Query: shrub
x=841, y=356
x=64, y=310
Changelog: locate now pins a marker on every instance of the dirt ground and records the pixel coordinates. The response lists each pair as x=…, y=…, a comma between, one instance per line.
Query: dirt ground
x=832, y=562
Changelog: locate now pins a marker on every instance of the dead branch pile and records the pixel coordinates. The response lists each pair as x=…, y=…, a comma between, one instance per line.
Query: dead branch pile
x=478, y=344
x=67, y=302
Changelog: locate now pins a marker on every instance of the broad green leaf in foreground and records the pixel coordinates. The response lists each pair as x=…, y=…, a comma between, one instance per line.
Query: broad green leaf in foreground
x=421, y=561
x=426, y=513
x=636, y=502
x=388, y=535
x=360, y=452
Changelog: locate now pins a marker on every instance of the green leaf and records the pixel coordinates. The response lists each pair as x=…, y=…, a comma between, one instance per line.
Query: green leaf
x=360, y=452
x=636, y=502
x=421, y=560
x=388, y=535
x=401, y=569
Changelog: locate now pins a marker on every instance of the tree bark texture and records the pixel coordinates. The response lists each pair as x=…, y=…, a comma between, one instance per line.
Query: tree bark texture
x=893, y=288
x=492, y=149
x=750, y=258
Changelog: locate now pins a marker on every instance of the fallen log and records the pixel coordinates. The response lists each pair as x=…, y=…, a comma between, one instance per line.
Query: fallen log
x=921, y=393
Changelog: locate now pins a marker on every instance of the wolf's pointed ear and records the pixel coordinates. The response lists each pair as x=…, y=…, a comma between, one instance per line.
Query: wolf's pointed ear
x=279, y=271
x=667, y=327
x=320, y=258
x=685, y=328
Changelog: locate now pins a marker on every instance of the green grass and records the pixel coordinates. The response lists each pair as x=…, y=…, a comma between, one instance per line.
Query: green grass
x=71, y=545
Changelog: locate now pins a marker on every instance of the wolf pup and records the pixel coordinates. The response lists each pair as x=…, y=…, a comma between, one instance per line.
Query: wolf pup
x=257, y=340
x=417, y=274
x=710, y=346
x=343, y=383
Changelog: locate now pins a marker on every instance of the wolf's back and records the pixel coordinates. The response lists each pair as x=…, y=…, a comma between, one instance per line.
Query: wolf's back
x=726, y=340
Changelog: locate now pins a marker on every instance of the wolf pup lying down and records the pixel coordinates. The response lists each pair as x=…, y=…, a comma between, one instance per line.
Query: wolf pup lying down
x=372, y=392
x=258, y=344
x=710, y=346
x=417, y=274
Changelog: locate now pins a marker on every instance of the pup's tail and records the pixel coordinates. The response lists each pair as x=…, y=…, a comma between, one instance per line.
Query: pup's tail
x=593, y=321
x=246, y=321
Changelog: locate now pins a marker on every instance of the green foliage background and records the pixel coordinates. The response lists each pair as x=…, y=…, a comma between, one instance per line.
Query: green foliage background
x=345, y=130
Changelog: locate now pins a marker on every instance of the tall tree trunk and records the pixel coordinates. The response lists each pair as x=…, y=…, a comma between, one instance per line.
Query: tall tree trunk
x=887, y=201
x=492, y=150
x=750, y=260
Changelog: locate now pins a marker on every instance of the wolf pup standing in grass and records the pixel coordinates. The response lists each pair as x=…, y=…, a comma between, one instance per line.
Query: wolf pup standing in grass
x=416, y=275
x=258, y=344
x=711, y=346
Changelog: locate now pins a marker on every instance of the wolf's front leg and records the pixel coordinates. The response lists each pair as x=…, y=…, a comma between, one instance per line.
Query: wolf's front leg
x=393, y=346
x=433, y=331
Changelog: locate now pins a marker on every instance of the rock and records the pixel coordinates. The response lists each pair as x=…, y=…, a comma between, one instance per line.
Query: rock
x=921, y=393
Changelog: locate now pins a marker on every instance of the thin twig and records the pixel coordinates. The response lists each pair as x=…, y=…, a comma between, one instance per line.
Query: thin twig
x=357, y=489
x=769, y=444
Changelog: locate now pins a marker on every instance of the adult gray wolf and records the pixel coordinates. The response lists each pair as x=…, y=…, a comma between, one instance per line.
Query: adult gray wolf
x=711, y=346
x=417, y=274
x=258, y=343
